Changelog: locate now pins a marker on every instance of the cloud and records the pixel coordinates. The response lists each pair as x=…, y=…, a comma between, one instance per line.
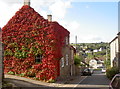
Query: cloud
x=83, y=36
x=59, y=8
x=10, y=2
x=73, y=27
x=87, y=6
x=7, y=12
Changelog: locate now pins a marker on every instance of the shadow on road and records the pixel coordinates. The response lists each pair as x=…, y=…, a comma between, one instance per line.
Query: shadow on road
x=22, y=83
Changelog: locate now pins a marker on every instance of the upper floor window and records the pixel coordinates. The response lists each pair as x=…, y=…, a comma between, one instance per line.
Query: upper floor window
x=62, y=62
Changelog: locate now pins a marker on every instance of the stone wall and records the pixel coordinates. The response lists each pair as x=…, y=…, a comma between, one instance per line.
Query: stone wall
x=65, y=71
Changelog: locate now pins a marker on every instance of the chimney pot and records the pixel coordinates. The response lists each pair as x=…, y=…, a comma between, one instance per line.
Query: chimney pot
x=49, y=18
x=27, y=2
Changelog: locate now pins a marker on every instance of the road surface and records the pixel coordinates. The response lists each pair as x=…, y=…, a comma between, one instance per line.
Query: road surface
x=98, y=80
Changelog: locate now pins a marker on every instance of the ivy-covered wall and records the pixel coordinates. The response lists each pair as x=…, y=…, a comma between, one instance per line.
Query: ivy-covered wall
x=26, y=35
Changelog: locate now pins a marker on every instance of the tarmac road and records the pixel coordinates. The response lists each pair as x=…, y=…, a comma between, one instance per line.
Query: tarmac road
x=98, y=80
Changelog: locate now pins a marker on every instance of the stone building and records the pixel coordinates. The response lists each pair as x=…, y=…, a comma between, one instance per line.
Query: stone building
x=115, y=51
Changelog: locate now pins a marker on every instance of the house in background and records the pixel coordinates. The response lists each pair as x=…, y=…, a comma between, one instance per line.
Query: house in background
x=95, y=50
x=96, y=63
x=114, y=49
x=45, y=44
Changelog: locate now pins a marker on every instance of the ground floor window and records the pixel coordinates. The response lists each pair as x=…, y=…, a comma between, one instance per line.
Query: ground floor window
x=38, y=58
x=62, y=62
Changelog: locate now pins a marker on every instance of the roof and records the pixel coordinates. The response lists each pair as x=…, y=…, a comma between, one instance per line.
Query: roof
x=85, y=63
x=71, y=47
x=23, y=18
x=98, y=59
x=28, y=18
x=113, y=39
x=118, y=33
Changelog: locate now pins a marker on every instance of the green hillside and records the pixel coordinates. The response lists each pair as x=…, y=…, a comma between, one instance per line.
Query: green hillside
x=94, y=50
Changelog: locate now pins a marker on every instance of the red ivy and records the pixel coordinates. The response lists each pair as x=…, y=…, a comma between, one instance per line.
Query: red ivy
x=28, y=34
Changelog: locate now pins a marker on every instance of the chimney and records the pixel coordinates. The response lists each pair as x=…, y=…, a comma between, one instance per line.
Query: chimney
x=49, y=18
x=27, y=2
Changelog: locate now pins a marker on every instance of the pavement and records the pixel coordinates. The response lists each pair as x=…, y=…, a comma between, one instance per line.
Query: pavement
x=18, y=81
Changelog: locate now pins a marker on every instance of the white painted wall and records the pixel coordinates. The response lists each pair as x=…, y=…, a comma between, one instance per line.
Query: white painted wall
x=93, y=63
x=113, y=50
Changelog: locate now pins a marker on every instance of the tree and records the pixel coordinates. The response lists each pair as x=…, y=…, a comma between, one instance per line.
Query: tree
x=78, y=59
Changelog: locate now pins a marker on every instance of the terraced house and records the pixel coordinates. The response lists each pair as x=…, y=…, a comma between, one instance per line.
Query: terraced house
x=115, y=51
x=36, y=47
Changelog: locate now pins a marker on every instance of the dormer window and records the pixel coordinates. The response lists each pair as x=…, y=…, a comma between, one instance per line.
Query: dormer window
x=38, y=58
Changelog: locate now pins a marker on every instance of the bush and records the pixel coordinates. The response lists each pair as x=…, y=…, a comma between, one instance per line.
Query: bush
x=11, y=72
x=77, y=59
x=51, y=81
x=30, y=74
x=22, y=74
x=110, y=72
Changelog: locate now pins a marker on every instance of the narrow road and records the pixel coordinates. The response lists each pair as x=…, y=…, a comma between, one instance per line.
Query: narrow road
x=98, y=80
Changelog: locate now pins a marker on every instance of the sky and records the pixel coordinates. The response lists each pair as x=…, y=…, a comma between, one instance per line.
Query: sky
x=92, y=21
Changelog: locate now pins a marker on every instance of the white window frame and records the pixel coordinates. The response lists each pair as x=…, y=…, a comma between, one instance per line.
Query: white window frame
x=62, y=62
x=67, y=58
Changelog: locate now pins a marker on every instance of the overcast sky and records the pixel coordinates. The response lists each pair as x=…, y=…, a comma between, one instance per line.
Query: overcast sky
x=90, y=21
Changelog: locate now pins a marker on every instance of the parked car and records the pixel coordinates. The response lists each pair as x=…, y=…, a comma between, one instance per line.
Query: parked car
x=86, y=72
x=115, y=82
